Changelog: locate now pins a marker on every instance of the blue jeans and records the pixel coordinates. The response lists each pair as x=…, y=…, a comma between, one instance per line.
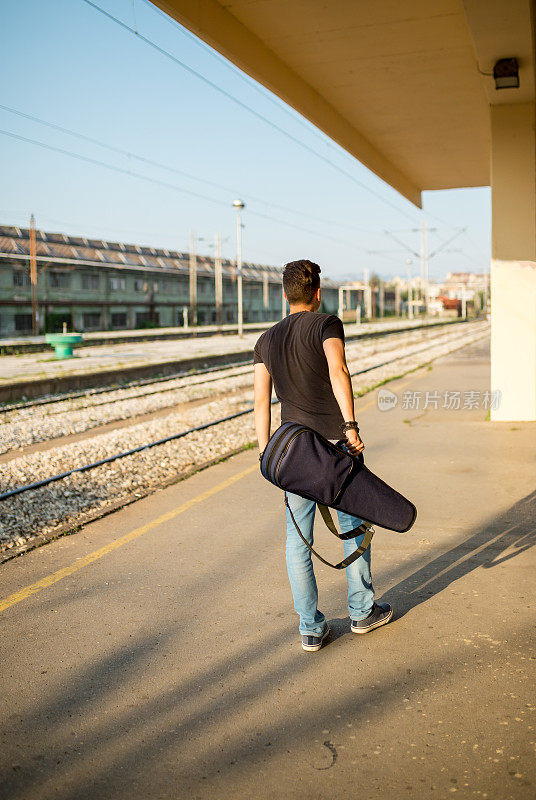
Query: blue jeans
x=301, y=573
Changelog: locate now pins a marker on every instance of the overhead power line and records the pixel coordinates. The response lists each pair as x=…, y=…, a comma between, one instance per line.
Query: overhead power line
x=175, y=170
x=166, y=184
x=174, y=187
x=484, y=258
x=447, y=242
x=246, y=107
x=250, y=82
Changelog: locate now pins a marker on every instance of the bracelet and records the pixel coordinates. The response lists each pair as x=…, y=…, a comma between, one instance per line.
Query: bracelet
x=349, y=426
x=261, y=455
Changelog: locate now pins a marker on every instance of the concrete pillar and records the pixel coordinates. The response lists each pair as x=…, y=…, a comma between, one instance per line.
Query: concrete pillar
x=513, y=265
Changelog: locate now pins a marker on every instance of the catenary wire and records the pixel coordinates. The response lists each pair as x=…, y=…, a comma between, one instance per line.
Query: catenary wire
x=167, y=185
x=248, y=108
x=267, y=96
x=86, y=467
x=186, y=174
x=248, y=80
x=260, y=89
x=88, y=393
x=175, y=170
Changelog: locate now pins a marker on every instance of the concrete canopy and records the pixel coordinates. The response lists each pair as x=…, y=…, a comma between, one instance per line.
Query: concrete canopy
x=397, y=85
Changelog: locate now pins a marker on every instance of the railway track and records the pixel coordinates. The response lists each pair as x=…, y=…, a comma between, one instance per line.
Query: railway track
x=62, y=403
x=42, y=494
x=44, y=401
x=6, y=408
x=23, y=430
x=38, y=422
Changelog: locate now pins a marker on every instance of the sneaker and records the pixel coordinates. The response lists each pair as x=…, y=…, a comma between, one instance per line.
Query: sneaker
x=380, y=615
x=312, y=643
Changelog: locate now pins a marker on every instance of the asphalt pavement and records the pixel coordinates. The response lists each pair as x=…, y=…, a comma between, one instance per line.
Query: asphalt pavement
x=155, y=654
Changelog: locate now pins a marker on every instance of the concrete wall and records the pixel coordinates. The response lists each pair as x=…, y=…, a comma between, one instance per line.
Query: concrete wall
x=513, y=269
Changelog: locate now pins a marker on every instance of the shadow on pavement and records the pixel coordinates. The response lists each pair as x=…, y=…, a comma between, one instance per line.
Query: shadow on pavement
x=200, y=727
x=486, y=548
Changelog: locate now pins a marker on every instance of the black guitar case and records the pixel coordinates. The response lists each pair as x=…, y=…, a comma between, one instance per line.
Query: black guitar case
x=297, y=459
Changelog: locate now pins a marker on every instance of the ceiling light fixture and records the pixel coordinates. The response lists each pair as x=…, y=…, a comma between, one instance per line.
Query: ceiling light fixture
x=506, y=74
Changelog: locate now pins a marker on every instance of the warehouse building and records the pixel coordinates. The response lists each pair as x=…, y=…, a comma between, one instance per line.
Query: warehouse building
x=92, y=284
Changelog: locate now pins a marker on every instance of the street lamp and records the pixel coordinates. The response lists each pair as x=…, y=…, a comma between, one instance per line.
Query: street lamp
x=239, y=206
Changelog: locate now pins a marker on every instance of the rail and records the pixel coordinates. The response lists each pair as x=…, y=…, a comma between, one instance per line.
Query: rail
x=86, y=467
x=58, y=398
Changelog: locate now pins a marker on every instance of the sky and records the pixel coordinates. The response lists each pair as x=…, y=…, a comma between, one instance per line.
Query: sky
x=215, y=135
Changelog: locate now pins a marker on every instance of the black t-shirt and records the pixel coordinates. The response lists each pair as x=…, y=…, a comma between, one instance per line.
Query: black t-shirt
x=292, y=353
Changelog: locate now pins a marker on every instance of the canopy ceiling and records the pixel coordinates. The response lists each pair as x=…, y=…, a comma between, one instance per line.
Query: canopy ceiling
x=399, y=85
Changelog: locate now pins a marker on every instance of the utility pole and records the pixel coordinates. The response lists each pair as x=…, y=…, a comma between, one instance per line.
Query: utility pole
x=218, y=278
x=193, y=279
x=381, y=298
x=424, y=255
x=424, y=263
x=33, y=278
x=368, y=295
x=397, y=300
x=487, y=296
x=239, y=206
x=265, y=294
x=409, y=262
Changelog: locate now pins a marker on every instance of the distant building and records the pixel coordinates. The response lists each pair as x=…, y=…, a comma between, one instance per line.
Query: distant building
x=469, y=282
x=92, y=284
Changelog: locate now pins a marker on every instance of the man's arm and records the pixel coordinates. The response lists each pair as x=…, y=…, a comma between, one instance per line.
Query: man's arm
x=341, y=383
x=263, y=396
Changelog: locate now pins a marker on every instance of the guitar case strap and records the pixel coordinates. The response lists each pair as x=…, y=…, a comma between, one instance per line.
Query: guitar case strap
x=365, y=528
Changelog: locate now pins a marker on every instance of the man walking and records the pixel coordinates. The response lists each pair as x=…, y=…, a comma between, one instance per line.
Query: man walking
x=303, y=356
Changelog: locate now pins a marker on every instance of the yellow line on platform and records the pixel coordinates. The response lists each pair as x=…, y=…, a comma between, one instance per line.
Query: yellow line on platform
x=53, y=578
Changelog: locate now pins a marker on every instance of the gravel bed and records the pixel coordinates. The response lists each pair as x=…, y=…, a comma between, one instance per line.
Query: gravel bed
x=23, y=416
x=40, y=512
x=36, y=427
x=365, y=383
x=28, y=426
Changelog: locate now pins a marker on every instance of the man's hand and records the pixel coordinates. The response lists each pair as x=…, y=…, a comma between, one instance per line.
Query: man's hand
x=354, y=443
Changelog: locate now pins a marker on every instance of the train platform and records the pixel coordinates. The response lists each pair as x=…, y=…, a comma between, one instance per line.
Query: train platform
x=31, y=375
x=155, y=654
x=26, y=344
x=31, y=344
